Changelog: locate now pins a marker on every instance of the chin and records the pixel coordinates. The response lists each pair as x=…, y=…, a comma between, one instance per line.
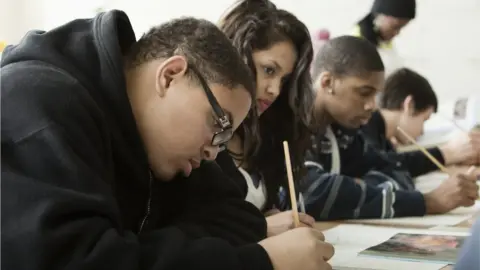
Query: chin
x=352, y=125
x=166, y=176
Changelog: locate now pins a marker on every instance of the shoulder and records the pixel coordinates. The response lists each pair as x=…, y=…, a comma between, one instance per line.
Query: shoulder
x=36, y=94
x=375, y=125
x=228, y=166
x=356, y=32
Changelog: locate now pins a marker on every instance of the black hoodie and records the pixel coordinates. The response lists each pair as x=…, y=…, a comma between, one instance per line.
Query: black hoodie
x=76, y=187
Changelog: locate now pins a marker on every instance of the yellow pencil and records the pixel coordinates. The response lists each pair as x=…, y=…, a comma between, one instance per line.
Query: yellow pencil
x=291, y=185
x=425, y=151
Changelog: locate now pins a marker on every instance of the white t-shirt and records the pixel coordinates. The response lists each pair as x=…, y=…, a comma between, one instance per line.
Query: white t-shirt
x=255, y=195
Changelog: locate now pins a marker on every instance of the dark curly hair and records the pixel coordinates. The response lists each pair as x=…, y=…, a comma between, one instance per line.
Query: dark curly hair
x=257, y=25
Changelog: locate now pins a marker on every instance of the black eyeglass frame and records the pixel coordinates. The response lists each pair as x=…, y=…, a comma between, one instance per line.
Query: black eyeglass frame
x=220, y=137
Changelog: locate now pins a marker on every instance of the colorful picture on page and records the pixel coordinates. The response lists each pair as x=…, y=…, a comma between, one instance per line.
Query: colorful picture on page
x=418, y=247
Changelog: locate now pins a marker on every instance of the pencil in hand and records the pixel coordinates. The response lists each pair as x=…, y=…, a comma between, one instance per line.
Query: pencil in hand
x=291, y=185
x=424, y=151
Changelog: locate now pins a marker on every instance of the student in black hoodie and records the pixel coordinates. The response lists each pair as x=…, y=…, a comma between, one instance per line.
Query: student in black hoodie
x=407, y=101
x=348, y=73
x=278, y=48
x=96, y=127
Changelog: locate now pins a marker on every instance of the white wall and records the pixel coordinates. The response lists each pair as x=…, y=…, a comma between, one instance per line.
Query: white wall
x=443, y=43
x=10, y=27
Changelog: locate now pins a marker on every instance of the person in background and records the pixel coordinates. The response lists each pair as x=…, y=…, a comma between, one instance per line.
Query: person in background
x=407, y=101
x=278, y=49
x=348, y=73
x=319, y=39
x=468, y=256
x=101, y=138
x=2, y=47
x=382, y=24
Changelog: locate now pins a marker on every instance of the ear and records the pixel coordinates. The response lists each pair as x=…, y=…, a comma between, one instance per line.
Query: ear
x=326, y=82
x=174, y=68
x=408, y=105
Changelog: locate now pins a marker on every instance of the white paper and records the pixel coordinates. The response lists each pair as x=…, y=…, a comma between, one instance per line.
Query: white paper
x=386, y=264
x=451, y=229
x=450, y=219
x=350, y=239
x=429, y=182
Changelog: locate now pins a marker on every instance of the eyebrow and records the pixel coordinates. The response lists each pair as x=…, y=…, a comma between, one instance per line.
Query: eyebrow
x=275, y=63
x=366, y=87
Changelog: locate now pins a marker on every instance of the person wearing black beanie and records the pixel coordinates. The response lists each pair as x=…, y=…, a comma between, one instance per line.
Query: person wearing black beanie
x=386, y=19
x=382, y=24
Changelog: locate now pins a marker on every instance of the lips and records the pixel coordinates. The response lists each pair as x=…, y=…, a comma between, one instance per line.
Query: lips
x=263, y=104
x=364, y=120
x=195, y=164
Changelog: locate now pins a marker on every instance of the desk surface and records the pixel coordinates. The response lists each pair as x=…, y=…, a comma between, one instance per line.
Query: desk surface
x=467, y=223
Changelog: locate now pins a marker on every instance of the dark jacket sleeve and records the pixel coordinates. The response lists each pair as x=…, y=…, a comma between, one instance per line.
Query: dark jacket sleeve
x=59, y=211
x=331, y=197
x=216, y=206
x=417, y=163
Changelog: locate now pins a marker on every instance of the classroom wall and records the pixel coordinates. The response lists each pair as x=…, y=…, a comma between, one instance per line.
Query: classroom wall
x=10, y=26
x=443, y=43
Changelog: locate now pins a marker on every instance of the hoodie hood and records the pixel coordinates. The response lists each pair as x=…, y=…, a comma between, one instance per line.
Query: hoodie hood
x=91, y=51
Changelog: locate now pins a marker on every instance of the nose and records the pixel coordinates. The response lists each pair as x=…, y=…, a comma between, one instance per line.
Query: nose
x=210, y=152
x=370, y=104
x=273, y=88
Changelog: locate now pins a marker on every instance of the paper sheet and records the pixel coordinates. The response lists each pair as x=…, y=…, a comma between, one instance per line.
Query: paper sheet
x=429, y=182
x=451, y=229
x=385, y=264
x=350, y=239
x=450, y=219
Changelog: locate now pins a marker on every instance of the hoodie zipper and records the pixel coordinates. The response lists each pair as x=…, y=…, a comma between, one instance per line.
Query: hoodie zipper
x=149, y=202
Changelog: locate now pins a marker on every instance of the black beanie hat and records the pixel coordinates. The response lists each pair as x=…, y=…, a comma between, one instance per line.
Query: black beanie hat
x=404, y=9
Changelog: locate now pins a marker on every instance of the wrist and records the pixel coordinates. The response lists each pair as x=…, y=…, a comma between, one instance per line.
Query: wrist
x=271, y=230
x=448, y=154
x=257, y=254
x=431, y=204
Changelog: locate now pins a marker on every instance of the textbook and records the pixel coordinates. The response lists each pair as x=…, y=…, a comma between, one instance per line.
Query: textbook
x=418, y=247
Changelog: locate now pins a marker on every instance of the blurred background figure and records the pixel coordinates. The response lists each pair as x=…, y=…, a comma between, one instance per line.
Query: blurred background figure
x=382, y=24
x=318, y=39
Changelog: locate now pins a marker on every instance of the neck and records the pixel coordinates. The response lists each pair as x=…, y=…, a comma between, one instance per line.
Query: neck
x=235, y=147
x=321, y=117
x=135, y=82
x=391, y=122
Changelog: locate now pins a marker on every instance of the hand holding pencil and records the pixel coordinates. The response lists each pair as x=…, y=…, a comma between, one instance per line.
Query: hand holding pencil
x=301, y=247
x=280, y=222
x=463, y=148
x=458, y=190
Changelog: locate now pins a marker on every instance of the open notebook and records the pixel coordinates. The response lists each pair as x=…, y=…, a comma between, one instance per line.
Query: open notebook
x=418, y=247
x=350, y=240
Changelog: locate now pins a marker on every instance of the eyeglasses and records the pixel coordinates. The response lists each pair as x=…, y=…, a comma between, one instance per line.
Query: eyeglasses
x=222, y=136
